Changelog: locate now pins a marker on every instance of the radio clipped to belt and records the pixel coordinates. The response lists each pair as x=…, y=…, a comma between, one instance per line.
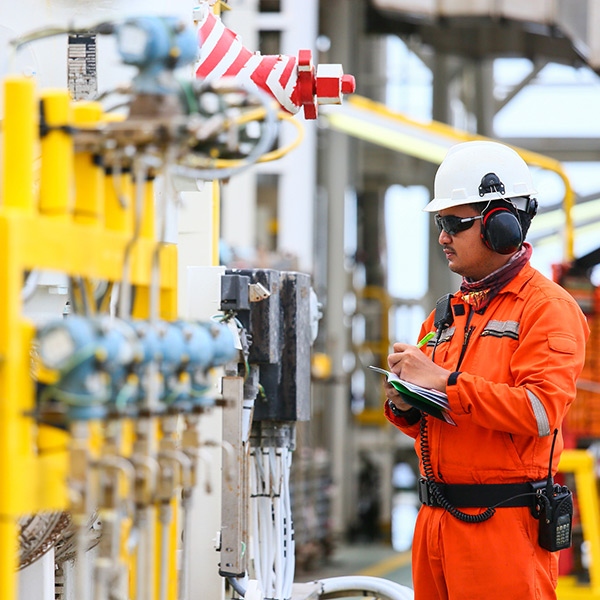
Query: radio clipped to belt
x=550, y=503
x=554, y=508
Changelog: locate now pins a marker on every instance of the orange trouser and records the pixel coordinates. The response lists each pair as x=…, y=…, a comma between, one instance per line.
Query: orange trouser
x=499, y=558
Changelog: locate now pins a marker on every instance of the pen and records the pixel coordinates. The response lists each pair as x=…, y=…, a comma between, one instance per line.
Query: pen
x=425, y=339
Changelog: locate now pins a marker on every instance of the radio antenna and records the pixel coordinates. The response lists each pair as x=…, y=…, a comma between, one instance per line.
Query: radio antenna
x=549, y=480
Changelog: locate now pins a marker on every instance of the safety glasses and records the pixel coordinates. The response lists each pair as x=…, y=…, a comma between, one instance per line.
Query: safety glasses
x=453, y=225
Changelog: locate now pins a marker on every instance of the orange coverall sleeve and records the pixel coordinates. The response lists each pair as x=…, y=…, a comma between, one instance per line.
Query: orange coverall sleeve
x=544, y=367
x=401, y=423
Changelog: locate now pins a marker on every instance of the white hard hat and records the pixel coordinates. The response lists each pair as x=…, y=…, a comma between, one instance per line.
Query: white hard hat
x=478, y=172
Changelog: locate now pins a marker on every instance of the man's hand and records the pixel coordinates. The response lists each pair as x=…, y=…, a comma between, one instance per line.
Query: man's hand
x=393, y=395
x=412, y=365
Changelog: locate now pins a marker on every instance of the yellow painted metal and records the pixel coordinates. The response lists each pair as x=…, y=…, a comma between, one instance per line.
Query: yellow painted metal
x=51, y=466
x=15, y=398
x=19, y=132
x=40, y=242
x=56, y=178
x=141, y=303
x=374, y=122
x=147, y=227
x=89, y=176
x=581, y=464
x=8, y=557
x=34, y=460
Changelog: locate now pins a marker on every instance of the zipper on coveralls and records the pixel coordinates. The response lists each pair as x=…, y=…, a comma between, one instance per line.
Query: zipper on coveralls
x=468, y=332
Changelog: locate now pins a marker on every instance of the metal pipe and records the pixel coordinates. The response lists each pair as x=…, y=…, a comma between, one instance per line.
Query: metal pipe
x=56, y=176
x=19, y=130
x=89, y=188
x=81, y=566
x=165, y=515
x=364, y=586
x=142, y=587
x=184, y=572
x=140, y=172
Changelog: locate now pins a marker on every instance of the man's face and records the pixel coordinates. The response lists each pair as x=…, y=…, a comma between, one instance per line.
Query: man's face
x=466, y=252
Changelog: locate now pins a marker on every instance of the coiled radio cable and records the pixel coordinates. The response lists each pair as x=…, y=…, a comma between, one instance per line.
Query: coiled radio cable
x=433, y=484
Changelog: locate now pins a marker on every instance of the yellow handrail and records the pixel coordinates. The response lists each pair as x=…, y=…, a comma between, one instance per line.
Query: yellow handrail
x=430, y=142
x=582, y=464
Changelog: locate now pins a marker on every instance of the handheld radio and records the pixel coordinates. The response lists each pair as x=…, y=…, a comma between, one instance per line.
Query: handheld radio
x=443, y=316
x=554, y=508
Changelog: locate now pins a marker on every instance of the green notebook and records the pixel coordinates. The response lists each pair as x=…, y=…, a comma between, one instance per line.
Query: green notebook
x=432, y=402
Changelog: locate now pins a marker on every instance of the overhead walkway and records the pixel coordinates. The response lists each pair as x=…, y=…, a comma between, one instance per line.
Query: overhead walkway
x=560, y=30
x=375, y=123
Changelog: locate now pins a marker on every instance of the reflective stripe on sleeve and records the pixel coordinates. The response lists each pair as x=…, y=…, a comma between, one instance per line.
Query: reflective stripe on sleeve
x=540, y=414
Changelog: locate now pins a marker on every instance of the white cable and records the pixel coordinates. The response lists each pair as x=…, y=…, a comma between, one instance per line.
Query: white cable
x=285, y=525
x=254, y=537
x=365, y=585
x=262, y=524
x=266, y=526
x=271, y=540
x=277, y=522
x=289, y=532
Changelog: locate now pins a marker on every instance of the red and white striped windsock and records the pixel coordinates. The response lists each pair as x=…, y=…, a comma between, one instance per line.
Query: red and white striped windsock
x=292, y=82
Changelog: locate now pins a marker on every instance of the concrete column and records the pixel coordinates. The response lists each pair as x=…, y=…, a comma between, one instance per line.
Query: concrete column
x=339, y=22
x=441, y=280
x=483, y=100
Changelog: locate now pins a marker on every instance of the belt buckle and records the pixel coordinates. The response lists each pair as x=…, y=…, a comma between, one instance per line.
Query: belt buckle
x=424, y=493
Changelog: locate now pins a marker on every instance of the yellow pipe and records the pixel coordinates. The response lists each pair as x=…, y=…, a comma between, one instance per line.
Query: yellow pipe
x=581, y=463
x=89, y=183
x=568, y=204
x=453, y=135
x=19, y=135
x=141, y=302
x=56, y=179
x=15, y=398
x=8, y=558
x=257, y=115
x=147, y=228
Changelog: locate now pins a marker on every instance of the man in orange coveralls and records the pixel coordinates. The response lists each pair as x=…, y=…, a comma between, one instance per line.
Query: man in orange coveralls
x=507, y=350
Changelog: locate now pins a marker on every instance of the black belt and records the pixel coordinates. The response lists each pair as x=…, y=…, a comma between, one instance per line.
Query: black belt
x=482, y=495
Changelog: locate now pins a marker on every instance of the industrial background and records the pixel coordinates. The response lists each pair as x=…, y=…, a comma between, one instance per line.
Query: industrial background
x=210, y=226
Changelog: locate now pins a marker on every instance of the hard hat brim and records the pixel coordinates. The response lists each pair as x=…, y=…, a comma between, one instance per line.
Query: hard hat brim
x=438, y=204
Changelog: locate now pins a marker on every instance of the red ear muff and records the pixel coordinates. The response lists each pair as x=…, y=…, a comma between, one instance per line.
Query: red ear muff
x=501, y=230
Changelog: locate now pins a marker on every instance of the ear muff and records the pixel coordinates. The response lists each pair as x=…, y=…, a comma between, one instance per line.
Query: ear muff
x=501, y=230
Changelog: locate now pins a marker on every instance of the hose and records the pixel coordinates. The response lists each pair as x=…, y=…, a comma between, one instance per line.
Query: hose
x=237, y=586
x=261, y=148
x=362, y=586
x=435, y=490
